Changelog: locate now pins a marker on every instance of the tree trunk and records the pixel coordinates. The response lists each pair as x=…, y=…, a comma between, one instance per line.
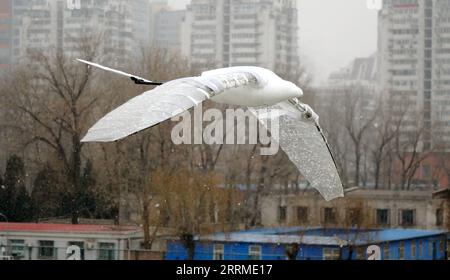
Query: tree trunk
x=377, y=174
x=76, y=174
x=146, y=224
x=188, y=242
x=292, y=251
x=357, y=164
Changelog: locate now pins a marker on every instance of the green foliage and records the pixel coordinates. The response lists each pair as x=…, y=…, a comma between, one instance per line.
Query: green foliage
x=15, y=202
x=51, y=195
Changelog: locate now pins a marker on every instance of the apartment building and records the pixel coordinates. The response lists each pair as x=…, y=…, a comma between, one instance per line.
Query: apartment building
x=5, y=34
x=45, y=25
x=227, y=33
x=167, y=29
x=362, y=208
x=414, y=57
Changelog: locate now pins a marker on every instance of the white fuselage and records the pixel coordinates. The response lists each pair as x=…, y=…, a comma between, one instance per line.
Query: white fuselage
x=269, y=90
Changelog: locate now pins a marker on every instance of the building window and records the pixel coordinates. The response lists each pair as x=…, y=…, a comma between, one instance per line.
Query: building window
x=386, y=251
x=302, y=215
x=383, y=217
x=282, y=214
x=426, y=171
x=439, y=217
x=79, y=245
x=17, y=248
x=330, y=254
x=401, y=250
x=106, y=251
x=413, y=249
x=407, y=218
x=354, y=216
x=46, y=249
x=219, y=250
x=254, y=252
x=330, y=215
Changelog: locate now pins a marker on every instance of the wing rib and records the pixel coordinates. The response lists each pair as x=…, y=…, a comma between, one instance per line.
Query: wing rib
x=136, y=79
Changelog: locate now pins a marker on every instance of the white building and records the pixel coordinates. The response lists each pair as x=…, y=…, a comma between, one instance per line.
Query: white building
x=226, y=33
x=414, y=56
x=50, y=241
x=167, y=29
x=122, y=25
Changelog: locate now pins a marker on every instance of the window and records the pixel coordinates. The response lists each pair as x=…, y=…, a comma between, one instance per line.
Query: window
x=330, y=215
x=80, y=245
x=254, y=253
x=302, y=214
x=426, y=171
x=439, y=217
x=218, y=252
x=413, y=249
x=383, y=217
x=17, y=248
x=282, y=214
x=106, y=251
x=386, y=251
x=401, y=250
x=407, y=218
x=330, y=254
x=46, y=249
x=354, y=216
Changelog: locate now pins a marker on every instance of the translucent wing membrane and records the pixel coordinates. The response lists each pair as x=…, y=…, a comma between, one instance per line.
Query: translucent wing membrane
x=149, y=109
x=162, y=103
x=303, y=142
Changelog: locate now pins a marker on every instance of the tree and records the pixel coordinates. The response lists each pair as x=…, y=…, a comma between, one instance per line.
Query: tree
x=193, y=201
x=409, y=154
x=47, y=194
x=357, y=125
x=23, y=211
x=292, y=251
x=55, y=96
x=15, y=200
x=385, y=131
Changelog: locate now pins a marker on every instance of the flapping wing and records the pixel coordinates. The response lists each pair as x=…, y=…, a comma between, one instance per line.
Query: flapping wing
x=136, y=79
x=162, y=103
x=301, y=138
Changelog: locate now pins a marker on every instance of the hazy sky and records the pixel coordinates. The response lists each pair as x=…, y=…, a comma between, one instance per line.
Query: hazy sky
x=332, y=33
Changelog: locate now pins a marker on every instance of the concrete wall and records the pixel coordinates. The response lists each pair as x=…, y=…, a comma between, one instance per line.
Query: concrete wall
x=368, y=201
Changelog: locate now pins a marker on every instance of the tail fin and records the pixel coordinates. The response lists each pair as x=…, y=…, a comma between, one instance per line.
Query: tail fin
x=136, y=79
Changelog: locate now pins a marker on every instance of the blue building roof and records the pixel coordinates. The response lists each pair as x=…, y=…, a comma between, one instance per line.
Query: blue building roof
x=320, y=236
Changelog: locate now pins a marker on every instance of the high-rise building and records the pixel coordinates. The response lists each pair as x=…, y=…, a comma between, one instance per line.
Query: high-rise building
x=226, y=33
x=155, y=7
x=414, y=71
x=122, y=26
x=5, y=34
x=167, y=29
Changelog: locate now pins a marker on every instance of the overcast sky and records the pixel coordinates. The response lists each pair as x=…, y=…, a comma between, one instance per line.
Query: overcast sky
x=332, y=33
